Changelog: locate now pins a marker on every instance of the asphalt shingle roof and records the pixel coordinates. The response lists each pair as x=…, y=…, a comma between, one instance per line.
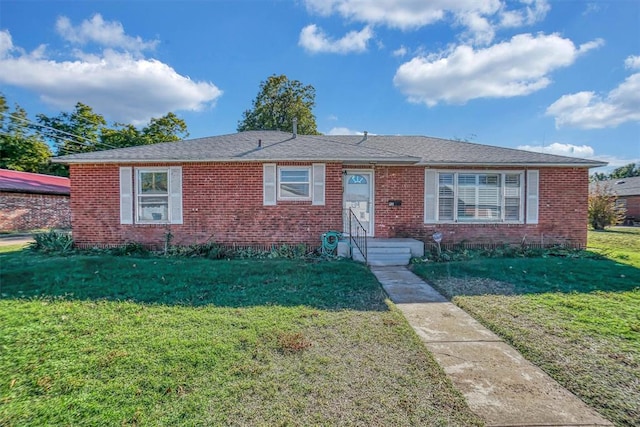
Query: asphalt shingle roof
x=281, y=146
x=623, y=186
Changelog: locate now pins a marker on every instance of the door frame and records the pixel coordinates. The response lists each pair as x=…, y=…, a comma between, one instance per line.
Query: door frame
x=371, y=174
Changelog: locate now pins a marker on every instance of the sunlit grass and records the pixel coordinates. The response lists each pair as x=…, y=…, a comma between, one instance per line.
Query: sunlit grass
x=104, y=340
x=577, y=317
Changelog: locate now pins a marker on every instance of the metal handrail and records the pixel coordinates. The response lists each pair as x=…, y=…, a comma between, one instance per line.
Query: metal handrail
x=357, y=235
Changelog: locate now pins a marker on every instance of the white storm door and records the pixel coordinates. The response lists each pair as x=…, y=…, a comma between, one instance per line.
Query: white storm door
x=358, y=197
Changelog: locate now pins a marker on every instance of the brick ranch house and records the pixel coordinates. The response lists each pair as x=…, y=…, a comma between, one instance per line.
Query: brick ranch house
x=30, y=201
x=271, y=187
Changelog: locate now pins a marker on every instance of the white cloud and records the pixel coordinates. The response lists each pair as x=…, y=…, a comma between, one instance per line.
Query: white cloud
x=343, y=131
x=516, y=67
x=632, y=62
x=97, y=30
x=591, y=8
x=588, y=110
x=583, y=152
x=479, y=17
x=118, y=84
x=532, y=11
x=6, y=44
x=401, y=51
x=314, y=40
x=557, y=148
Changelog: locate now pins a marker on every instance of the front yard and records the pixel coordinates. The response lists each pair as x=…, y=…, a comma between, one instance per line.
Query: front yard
x=104, y=340
x=575, y=316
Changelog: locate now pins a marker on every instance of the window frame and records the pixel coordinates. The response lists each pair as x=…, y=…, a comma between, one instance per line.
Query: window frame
x=309, y=183
x=502, y=196
x=137, y=191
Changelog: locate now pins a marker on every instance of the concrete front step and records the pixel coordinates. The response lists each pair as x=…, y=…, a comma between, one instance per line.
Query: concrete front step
x=384, y=256
x=381, y=252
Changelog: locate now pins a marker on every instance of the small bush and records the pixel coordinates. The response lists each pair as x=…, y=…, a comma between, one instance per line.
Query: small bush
x=131, y=248
x=209, y=250
x=289, y=252
x=462, y=253
x=52, y=242
x=603, y=208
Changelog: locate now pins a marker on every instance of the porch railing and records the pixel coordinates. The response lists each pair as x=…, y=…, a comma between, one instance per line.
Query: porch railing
x=357, y=234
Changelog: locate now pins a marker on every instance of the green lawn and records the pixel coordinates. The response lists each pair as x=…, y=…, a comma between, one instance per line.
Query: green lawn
x=577, y=317
x=104, y=340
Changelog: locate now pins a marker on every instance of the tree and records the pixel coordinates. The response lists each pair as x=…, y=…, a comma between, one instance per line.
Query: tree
x=168, y=128
x=603, y=209
x=84, y=130
x=75, y=132
x=626, y=171
x=24, y=143
x=21, y=148
x=279, y=101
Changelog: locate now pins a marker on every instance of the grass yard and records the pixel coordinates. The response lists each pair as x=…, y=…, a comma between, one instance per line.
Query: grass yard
x=104, y=340
x=577, y=317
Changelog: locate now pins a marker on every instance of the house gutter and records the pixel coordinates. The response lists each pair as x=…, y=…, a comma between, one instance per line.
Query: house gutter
x=514, y=164
x=415, y=161
x=379, y=161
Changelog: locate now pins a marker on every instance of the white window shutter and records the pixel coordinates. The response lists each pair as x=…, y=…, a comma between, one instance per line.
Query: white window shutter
x=430, y=195
x=126, y=195
x=318, y=184
x=533, y=184
x=269, y=184
x=175, y=195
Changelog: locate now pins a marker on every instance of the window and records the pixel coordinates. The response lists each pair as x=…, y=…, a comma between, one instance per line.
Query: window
x=151, y=195
x=445, y=197
x=294, y=183
x=474, y=197
x=357, y=179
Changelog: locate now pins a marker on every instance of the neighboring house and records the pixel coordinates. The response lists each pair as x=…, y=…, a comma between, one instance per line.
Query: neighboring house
x=30, y=201
x=628, y=192
x=269, y=187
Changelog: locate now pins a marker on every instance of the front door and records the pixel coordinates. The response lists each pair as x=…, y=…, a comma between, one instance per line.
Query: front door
x=358, y=197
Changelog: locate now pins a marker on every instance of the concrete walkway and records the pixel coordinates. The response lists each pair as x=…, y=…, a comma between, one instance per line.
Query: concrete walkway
x=15, y=239
x=500, y=385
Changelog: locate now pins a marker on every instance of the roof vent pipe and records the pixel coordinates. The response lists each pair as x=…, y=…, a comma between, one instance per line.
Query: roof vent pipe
x=295, y=127
x=259, y=143
x=365, y=135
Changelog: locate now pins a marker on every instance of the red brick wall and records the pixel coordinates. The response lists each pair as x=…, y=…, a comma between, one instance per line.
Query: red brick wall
x=562, y=211
x=223, y=202
x=23, y=211
x=633, y=206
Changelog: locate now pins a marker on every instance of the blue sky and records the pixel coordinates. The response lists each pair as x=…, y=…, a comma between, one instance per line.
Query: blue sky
x=558, y=76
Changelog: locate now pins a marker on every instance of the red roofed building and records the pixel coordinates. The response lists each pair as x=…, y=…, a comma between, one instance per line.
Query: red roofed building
x=30, y=201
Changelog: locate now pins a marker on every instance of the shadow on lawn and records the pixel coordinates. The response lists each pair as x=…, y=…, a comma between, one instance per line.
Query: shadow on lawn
x=518, y=276
x=337, y=285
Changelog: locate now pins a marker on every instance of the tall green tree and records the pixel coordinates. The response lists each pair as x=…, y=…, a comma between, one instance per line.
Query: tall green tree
x=21, y=148
x=626, y=171
x=77, y=131
x=279, y=101
x=168, y=128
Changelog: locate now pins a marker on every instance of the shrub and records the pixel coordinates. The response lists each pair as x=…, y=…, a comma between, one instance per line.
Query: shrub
x=52, y=242
x=603, y=209
x=131, y=248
